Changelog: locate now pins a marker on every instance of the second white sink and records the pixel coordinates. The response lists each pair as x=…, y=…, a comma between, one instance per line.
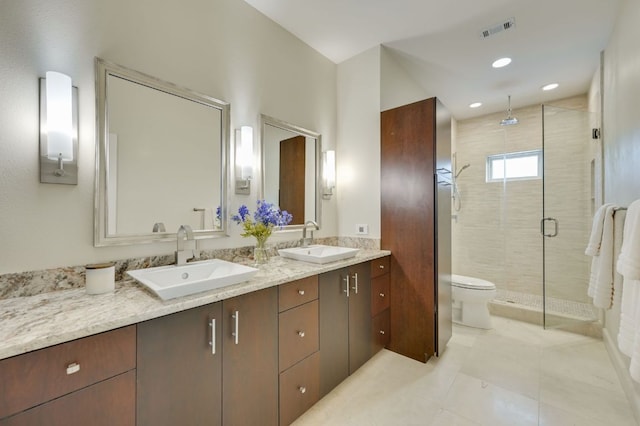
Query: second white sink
x=318, y=253
x=173, y=281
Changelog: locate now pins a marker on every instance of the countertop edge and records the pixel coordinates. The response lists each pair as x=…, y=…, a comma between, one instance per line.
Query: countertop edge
x=36, y=322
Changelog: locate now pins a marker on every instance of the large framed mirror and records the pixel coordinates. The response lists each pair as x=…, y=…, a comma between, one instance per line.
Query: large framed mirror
x=291, y=169
x=161, y=159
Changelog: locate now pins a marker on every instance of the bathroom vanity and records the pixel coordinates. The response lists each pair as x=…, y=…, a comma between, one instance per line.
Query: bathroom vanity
x=252, y=353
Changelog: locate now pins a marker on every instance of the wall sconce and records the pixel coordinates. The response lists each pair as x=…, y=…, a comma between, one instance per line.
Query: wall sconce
x=244, y=159
x=328, y=173
x=58, y=129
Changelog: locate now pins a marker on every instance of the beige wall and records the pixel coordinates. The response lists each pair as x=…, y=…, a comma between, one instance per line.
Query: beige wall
x=496, y=232
x=621, y=129
x=223, y=48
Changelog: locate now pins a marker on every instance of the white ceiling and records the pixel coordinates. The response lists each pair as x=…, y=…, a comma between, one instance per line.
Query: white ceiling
x=438, y=42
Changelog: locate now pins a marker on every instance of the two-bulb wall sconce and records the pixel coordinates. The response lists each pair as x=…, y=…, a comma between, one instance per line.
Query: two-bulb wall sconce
x=328, y=173
x=244, y=159
x=58, y=129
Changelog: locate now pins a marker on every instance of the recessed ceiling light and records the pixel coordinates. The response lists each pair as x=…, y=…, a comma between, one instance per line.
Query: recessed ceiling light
x=475, y=105
x=502, y=62
x=550, y=86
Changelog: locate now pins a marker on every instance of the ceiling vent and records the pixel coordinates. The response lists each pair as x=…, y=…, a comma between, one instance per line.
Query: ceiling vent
x=497, y=28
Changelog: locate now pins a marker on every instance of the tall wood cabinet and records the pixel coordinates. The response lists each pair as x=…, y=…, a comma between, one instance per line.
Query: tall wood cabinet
x=416, y=179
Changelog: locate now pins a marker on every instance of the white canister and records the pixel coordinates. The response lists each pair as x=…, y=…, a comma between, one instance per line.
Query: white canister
x=100, y=278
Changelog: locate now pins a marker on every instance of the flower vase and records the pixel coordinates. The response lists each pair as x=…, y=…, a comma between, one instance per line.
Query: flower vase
x=260, y=253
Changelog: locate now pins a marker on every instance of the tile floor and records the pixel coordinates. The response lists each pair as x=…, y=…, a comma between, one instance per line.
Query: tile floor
x=516, y=374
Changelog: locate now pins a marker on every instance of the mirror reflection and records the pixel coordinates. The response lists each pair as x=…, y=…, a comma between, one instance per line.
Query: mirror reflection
x=161, y=159
x=291, y=159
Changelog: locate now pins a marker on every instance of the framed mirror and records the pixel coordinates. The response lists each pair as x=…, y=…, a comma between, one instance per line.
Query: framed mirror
x=161, y=159
x=291, y=174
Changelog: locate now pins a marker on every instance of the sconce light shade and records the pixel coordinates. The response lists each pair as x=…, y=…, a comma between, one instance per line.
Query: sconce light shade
x=58, y=129
x=328, y=173
x=244, y=160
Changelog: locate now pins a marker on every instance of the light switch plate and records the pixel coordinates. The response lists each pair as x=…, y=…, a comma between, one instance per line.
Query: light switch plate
x=362, y=229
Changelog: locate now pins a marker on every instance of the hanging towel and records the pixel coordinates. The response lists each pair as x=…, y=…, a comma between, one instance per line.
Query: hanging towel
x=593, y=248
x=629, y=259
x=628, y=265
x=601, y=279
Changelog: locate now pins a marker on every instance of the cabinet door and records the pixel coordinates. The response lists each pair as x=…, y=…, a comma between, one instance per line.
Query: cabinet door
x=110, y=402
x=179, y=375
x=334, y=330
x=359, y=278
x=250, y=359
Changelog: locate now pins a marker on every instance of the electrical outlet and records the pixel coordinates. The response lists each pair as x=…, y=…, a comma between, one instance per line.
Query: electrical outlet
x=362, y=229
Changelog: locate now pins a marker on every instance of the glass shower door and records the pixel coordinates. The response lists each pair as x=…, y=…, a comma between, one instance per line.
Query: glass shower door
x=567, y=211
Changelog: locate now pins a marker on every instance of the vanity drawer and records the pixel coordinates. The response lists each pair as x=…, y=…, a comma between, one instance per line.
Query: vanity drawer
x=298, y=334
x=297, y=292
x=299, y=388
x=379, y=294
x=39, y=376
x=379, y=266
x=110, y=402
x=380, y=328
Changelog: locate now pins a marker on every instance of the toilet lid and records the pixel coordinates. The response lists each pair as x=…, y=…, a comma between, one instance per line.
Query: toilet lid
x=471, y=283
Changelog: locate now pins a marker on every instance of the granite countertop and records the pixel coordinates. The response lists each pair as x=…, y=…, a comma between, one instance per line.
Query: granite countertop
x=35, y=322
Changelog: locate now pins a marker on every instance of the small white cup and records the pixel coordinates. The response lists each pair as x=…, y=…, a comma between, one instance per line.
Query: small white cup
x=100, y=278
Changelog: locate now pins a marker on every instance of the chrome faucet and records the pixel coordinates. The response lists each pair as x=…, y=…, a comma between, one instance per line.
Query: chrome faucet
x=182, y=255
x=304, y=242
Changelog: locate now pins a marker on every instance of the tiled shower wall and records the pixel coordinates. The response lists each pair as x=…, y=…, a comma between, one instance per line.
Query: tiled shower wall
x=496, y=231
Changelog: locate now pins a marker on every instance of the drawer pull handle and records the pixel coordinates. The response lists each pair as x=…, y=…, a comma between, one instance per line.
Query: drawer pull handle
x=301, y=333
x=212, y=343
x=302, y=389
x=301, y=292
x=381, y=266
x=73, y=368
x=381, y=331
x=381, y=294
x=236, y=326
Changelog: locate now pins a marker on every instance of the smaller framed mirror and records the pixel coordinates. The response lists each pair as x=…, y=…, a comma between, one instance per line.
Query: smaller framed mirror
x=291, y=169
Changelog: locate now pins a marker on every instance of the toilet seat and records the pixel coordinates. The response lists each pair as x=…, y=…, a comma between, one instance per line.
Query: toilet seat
x=471, y=283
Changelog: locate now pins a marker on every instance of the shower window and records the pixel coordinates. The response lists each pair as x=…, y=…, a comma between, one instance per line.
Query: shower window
x=514, y=166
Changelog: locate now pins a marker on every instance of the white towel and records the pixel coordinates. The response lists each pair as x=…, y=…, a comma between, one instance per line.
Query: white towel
x=629, y=259
x=601, y=279
x=629, y=266
x=593, y=248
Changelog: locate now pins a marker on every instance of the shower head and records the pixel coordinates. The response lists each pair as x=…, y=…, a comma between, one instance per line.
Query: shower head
x=510, y=120
x=463, y=167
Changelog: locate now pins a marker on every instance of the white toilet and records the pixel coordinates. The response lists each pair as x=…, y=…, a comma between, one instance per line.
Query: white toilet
x=470, y=298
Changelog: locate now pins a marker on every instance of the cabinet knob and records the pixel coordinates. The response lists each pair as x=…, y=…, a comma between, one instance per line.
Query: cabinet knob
x=302, y=389
x=301, y=333
x=73, y=368
x=381, y=266
x=381, y=331
x=301, y=292
x=381, y=294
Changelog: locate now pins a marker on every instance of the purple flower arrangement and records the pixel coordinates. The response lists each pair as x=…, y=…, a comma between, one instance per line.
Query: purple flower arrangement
x=265, y=219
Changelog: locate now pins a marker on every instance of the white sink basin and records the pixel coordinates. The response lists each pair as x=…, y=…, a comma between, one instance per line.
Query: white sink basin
x=318, y=253
x=177, y=281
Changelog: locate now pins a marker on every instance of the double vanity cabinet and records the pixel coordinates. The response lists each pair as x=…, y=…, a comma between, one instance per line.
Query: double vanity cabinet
x=263, y=357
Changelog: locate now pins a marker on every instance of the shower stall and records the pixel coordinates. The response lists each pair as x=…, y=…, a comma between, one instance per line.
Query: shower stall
x=524, y=208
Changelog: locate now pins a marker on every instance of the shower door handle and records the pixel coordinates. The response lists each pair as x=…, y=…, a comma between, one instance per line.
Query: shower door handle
x=555, y=226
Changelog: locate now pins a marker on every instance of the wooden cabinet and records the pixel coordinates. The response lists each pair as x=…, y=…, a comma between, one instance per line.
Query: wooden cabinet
x=416, y=225
x=380, y=312
x=298, y=348
x=345, y=323
x=180, y=368
x=250, y=359
x=184, y=356
x=72, y=383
